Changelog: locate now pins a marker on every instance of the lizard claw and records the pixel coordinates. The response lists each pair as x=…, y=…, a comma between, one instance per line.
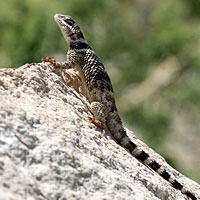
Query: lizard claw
x=95, y=122
x=98, y=124
x=50, y=60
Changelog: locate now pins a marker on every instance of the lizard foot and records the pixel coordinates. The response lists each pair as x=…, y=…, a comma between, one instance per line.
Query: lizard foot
x=51, y=61
x=97, y=124
x=48, y=59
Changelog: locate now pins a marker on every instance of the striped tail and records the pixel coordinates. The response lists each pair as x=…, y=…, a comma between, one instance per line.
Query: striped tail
x=123, y=140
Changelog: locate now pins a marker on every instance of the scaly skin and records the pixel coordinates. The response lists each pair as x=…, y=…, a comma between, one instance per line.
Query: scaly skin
x=100, y=93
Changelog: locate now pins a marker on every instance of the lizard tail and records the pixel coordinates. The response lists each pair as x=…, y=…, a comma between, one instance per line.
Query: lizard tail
x=121, y=137
x=142, y=156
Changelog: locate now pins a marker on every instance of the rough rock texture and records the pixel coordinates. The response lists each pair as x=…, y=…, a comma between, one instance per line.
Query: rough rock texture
x=49, y=149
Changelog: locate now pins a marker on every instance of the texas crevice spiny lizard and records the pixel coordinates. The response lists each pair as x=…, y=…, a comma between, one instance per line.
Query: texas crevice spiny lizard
x=100, y=93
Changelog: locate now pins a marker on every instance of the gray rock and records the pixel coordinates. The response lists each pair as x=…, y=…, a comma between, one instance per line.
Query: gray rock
x=49, y=149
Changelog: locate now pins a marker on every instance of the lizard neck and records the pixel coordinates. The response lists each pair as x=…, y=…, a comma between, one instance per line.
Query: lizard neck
x=79, y=45
x=74, y=38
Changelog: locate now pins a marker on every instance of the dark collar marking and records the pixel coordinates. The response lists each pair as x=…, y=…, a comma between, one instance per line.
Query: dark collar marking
x=79, y=45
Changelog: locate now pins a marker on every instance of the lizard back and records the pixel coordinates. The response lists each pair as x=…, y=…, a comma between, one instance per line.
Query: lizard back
x=99, y=87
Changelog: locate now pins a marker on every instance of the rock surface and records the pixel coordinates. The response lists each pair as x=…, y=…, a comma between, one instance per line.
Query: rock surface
x=50, y=150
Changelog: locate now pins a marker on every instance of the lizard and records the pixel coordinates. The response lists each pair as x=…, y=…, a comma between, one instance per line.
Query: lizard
x=100, y=94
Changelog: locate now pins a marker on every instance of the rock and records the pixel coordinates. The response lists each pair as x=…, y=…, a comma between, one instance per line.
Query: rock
x=49, y=149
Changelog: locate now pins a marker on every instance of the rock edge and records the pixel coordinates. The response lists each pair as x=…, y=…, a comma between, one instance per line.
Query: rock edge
x=50, y=150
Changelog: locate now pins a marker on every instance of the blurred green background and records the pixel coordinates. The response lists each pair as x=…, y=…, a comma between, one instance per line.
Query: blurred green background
x=151, y=49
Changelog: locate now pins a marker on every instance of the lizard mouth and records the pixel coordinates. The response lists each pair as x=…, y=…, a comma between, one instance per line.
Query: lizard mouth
x=57, y=18
x=65, y=21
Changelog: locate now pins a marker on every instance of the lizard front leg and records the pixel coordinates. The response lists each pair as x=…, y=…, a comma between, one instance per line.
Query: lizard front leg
x=58, y=65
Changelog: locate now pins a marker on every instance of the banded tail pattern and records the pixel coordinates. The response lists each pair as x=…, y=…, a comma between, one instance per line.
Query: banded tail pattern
x=123, y=140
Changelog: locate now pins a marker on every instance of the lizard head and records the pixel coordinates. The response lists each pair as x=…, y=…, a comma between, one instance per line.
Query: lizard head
x=70, y=30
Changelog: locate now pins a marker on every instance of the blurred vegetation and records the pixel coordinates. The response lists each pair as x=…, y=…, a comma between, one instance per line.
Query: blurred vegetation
x=133, y=38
